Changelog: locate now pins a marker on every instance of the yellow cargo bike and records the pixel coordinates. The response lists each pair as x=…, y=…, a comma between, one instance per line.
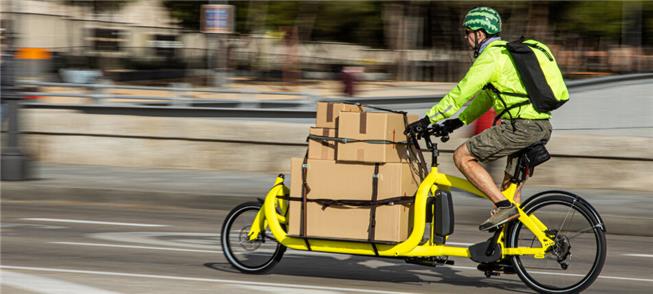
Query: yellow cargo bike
x=557, y=245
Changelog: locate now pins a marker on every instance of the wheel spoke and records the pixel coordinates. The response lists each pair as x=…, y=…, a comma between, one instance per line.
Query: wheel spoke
x=589, y=229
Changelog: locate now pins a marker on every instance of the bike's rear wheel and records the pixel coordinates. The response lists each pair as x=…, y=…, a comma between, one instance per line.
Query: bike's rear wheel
x=253, y=257
x=576, y=260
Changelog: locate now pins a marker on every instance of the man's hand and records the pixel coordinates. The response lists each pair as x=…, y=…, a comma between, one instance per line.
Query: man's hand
x=450, y=125
x=418, y=127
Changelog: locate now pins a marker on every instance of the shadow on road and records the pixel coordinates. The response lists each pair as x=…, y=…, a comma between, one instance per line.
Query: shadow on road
x=379, y=270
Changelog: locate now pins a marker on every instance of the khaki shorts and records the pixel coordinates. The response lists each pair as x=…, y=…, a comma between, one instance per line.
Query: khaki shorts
x=501, y=140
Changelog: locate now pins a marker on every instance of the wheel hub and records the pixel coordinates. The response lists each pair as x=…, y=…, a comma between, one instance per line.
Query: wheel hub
x=243, y=240
x=561, y=249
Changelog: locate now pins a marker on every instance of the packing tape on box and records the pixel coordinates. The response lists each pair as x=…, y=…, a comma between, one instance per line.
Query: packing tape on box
x=326, y=203
x=362, y=127
x=329, y=112
x=326, y=139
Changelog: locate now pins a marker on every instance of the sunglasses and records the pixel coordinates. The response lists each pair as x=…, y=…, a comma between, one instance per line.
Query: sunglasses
x=467, y=33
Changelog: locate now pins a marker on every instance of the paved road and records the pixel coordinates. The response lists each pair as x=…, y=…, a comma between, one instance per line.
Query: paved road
x=173, y=250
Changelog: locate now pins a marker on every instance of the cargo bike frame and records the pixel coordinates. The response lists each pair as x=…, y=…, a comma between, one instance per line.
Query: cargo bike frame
x=548, y=241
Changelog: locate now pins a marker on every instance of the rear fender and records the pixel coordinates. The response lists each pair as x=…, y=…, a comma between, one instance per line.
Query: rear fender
x=596, y=218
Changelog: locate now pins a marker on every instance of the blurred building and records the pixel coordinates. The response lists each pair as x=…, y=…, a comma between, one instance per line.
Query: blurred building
x=139, y=39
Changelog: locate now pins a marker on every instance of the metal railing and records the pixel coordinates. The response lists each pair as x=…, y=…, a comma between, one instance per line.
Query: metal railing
x=181, y=103
x=181, y=96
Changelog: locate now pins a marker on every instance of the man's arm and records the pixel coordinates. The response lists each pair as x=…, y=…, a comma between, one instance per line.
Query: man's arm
x=479, y=105
x=481, y=72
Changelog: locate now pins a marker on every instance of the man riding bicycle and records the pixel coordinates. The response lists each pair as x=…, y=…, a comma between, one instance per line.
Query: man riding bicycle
x=493, y=81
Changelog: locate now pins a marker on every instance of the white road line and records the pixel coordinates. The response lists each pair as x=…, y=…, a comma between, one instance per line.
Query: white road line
x=217, y=251
x=562, y=274
x=281, y=290
x=38, y=284
x=135, y=247
x=295, y=252
x=178, y=278
x=638, y=255
x=79, y=221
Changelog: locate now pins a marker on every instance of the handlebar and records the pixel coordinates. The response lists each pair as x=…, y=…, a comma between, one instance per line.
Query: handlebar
x=432, y=130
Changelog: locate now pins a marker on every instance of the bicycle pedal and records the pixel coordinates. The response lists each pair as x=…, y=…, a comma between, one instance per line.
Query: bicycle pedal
x=489, y=274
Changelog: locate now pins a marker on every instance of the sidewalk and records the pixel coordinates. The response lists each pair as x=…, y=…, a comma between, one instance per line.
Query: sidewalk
x=625, y=212
x=322, y=88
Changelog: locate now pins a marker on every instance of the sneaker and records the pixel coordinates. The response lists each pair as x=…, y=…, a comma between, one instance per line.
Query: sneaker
x=499, y=216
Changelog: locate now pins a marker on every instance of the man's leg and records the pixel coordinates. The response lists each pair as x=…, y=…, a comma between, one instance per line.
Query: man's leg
x=476, y=173
x=504, y=211
x=506, y=183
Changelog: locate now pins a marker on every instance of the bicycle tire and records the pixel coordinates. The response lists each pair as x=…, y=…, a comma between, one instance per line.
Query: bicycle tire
x=573, y=202
x=228, y=250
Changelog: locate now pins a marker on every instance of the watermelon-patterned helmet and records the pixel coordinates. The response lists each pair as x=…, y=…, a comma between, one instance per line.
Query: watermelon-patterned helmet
x=484, y=18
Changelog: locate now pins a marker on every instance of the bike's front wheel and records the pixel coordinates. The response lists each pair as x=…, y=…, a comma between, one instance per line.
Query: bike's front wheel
x=248, y=256
x=577, y=257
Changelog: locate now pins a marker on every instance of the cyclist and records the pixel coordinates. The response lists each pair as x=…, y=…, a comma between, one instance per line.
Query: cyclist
x=521, y=125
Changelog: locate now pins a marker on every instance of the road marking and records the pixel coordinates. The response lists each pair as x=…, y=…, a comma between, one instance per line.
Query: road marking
x=638, y=255
x=79, y=221
x=38, y=284
x=218, y=251
x=281, y=290
x=135, y=247
x=562, y=274
x=178, y=278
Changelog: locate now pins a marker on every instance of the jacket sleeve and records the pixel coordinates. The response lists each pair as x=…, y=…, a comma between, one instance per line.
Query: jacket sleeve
x=481, y=72
x=479, y=105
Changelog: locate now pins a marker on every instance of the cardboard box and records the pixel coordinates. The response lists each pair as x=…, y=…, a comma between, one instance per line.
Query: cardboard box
x=327, y=179
x=328, y=112
x=322, y=150
x=373, y=126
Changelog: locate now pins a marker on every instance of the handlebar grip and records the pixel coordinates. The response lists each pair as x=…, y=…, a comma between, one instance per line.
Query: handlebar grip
x=444, y=138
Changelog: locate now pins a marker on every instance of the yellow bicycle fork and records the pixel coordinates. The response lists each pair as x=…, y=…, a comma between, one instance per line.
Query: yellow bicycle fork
x=272, y=217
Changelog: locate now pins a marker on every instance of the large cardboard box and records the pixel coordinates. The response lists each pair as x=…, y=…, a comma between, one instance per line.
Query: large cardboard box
x=328, y=112
x=353, y=181
x=373, y=126
x=322, y=150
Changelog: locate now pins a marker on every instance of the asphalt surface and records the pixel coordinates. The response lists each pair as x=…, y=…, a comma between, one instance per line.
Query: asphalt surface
x=625, y=212
x=70, y=247
x=93, y=229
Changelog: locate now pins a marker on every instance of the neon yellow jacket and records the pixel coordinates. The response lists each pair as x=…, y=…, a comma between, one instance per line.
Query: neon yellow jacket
x=494, y=65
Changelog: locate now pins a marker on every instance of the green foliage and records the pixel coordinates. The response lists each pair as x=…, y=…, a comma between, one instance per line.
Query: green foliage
x=99, y=5
x=594, y=18
x=356, y=22
x=343, y=21
x=187, y=12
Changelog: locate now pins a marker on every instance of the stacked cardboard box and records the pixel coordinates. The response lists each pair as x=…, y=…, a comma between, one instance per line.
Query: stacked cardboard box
x=353, y=157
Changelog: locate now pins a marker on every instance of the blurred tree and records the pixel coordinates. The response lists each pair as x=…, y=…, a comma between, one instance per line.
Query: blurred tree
x=590, y=19
x=353, y=22
x=187, y=12
x=99, y=6
x=341, y=21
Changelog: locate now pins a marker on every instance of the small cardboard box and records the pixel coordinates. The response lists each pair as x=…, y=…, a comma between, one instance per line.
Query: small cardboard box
x=322, y=150
x=328, y=112
x=327, y=179
x=373, y=126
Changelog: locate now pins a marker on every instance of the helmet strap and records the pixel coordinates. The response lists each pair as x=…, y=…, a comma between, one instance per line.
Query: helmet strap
x=477, y=46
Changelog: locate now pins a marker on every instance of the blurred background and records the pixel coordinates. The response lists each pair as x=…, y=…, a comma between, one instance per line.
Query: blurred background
x=131, y=127
x=187, y=84
x=289, y=41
